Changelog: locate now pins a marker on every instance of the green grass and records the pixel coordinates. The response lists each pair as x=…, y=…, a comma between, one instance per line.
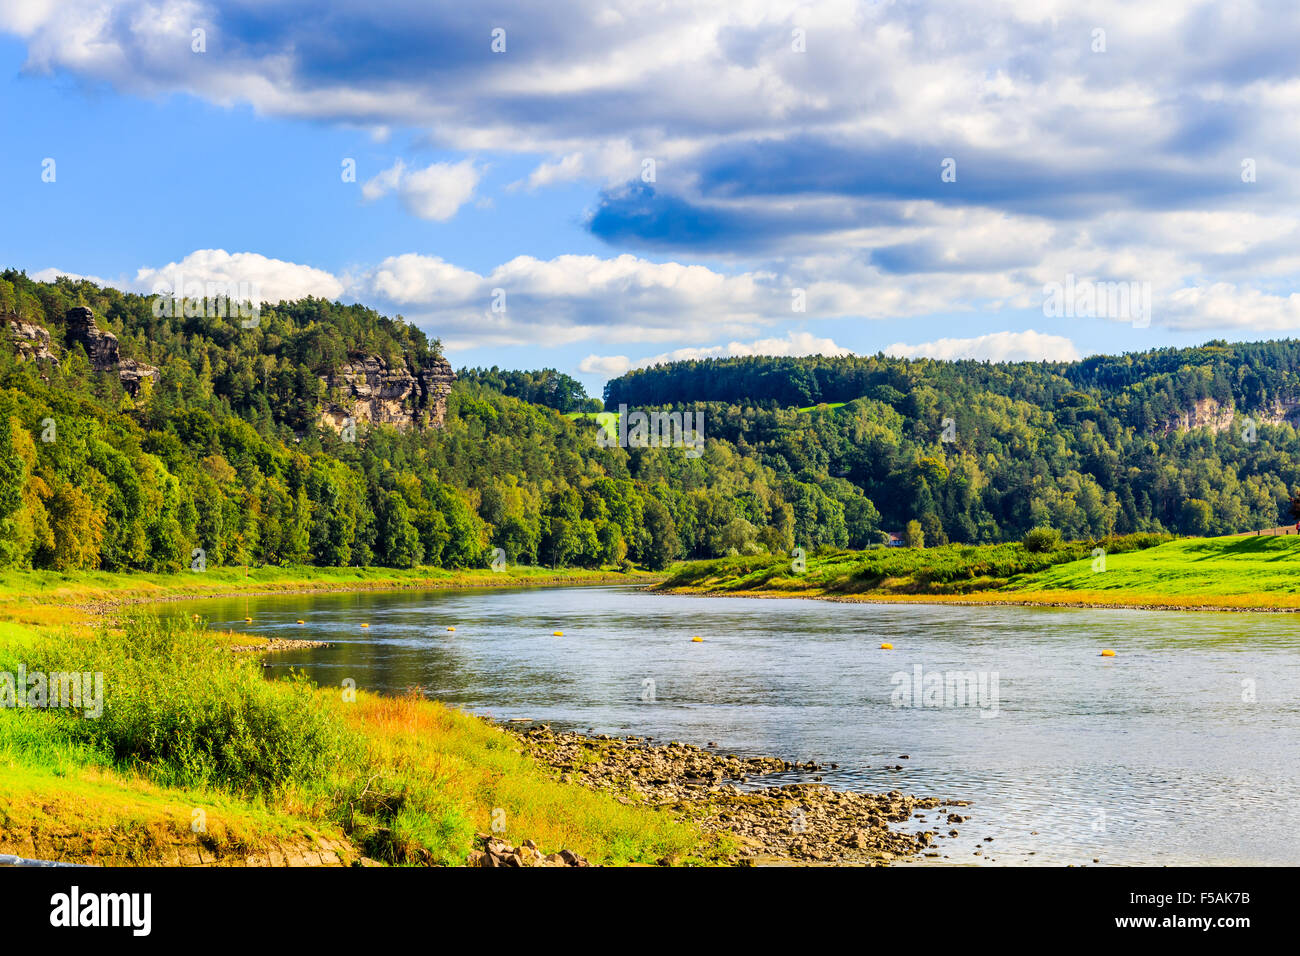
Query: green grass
x=1261, y=570
x=831, y=406
x=953, y=569
x=607, y=420
x=1140, y=570
x=274, y=764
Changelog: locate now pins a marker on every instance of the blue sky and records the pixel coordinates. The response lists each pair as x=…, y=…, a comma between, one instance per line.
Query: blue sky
x=649, y=181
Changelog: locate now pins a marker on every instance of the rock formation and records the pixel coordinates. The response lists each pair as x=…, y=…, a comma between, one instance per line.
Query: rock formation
x=31, y=342
x=101, y=349
x=100, y=346
x=369, y=390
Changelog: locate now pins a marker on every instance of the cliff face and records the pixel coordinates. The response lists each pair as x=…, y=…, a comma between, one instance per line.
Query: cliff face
x=1209, y=413
x=32, y=343
x=369, y=390
x=101, y=349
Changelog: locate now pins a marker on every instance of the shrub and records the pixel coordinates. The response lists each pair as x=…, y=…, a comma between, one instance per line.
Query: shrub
x=1042, y=539
x=187, y=711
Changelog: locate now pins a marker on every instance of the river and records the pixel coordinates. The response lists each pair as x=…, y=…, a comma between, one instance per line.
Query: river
x=1183, y=748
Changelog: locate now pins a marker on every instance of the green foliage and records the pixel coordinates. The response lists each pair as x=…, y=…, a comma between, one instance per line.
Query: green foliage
x=1042, y=539
x=185, y=710
x=546, y=387
x=225, y=458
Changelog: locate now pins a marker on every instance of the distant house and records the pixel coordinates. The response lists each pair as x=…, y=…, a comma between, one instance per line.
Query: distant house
x=895, y=540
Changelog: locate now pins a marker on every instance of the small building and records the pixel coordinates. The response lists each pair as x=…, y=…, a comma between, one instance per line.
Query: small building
x=895, y=540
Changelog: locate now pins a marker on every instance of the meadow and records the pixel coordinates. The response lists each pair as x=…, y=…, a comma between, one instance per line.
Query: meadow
x=1243, y=572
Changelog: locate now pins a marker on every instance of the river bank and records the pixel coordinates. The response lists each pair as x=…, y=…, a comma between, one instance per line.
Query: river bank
x=794, y=823
x=1000, y=599
x=1245, y=574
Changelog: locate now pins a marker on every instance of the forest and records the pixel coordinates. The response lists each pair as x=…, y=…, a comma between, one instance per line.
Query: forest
x=222, y=458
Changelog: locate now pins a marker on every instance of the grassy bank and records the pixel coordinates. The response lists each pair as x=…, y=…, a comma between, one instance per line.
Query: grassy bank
x=54, y=597
x=1247, y=573
x=196, y=758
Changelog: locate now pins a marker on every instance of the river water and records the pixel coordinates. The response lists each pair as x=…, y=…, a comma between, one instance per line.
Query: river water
x=1183, y=748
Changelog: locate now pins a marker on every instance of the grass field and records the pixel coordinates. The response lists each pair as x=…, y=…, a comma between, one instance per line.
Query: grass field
x=274, y=770
x=1231, y=572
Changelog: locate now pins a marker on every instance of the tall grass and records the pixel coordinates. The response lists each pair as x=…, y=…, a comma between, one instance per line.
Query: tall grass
x=408, y=780
x=947, y=569
x=189, y=713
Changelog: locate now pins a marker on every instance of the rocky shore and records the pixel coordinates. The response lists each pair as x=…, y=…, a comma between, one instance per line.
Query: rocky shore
x=804, y=823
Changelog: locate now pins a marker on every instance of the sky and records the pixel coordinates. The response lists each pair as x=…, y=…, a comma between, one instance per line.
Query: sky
x=593, y=186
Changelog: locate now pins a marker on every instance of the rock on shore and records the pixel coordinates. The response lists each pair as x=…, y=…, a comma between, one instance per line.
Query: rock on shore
x=497, y=852
x=808, y=823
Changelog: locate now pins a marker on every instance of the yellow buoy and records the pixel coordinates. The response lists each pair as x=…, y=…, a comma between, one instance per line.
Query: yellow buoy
x=558, y=634
x=1107, y=653
x=301, y=621
x=697, y=640
x=248, y=620
x=365, y=625
x=886, y=647
x=451, y=629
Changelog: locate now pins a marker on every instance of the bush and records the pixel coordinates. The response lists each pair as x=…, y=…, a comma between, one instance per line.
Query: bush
x=187, y=711
x=1042, y=539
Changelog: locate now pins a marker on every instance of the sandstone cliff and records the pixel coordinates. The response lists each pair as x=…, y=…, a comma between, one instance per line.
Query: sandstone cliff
x=32, y=342
x=369, y=390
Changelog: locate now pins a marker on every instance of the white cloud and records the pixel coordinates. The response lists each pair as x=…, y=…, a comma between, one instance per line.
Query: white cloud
x=573, y=298
x=49, y=275
x=1122, y=165
x=435, y=192
x=1027, y=346
x=264, y=279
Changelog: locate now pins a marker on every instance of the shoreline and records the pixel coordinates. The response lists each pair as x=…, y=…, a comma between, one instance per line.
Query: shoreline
x=990, y=600
x=807, y=823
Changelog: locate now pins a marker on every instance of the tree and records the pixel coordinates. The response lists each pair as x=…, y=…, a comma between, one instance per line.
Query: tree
x=663, y=546
x=913, y=536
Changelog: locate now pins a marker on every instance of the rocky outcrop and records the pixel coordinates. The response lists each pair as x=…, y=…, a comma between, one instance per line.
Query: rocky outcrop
x=1212, y=414
x=101, y=348
x=368, y=390
x=31, y=342
x=1204, y=413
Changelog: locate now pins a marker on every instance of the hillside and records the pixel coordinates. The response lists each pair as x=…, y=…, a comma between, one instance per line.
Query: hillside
x=134, y=437
x=1193, y=441
x=140, y=438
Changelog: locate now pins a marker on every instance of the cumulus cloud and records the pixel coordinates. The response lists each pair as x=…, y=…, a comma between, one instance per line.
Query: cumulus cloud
x=435, y=192
x=574, y=298
x=813, y=167
x=1027, y=346
x=49, y=275
x=259, y=277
